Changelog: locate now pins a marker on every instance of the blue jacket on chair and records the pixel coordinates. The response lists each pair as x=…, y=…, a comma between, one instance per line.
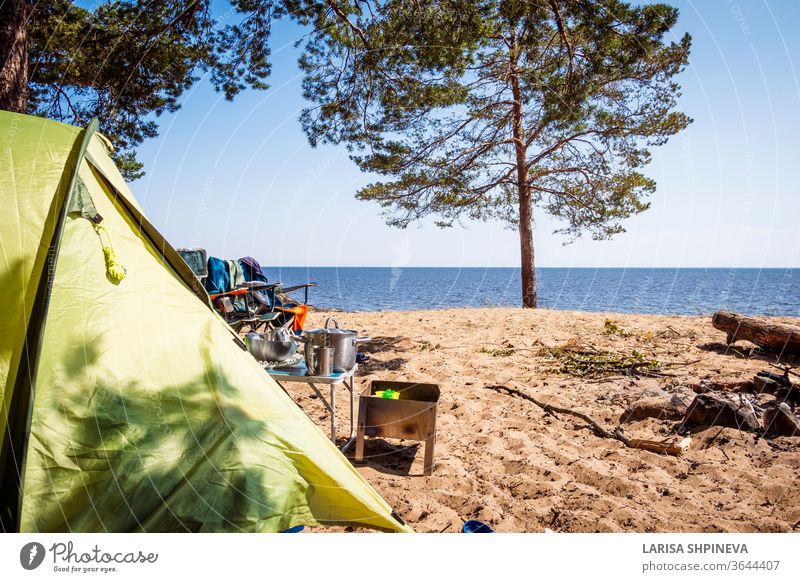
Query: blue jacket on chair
x=219, y=279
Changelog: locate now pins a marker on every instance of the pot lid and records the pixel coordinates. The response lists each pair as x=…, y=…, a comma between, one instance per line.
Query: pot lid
x=330, y=331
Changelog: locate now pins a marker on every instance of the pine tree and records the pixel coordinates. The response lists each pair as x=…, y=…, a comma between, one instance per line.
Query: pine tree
x=488, y=109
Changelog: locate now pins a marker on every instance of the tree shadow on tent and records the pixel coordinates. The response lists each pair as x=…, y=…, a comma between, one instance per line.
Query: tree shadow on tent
x=136, y=457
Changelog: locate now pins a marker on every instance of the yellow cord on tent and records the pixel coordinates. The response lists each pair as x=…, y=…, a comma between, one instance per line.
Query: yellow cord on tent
x=114, y=269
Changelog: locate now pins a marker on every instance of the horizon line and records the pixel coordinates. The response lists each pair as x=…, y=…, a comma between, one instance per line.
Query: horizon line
x=786, y=268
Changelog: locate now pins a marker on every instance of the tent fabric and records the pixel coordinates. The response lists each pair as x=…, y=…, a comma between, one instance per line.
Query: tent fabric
x=144, y=415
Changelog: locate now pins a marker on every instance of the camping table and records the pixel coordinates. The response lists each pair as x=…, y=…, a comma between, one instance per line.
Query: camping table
x=300, y=373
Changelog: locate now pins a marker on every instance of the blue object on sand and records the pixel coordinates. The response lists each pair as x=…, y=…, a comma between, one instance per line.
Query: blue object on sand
x=475, y=526
x=295, y=529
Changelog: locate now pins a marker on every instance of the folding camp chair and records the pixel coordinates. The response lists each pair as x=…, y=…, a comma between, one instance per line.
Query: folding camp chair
x=273, y=299
x=256, y=303
x=234, y=305
x=277, y=298
x=230, y=309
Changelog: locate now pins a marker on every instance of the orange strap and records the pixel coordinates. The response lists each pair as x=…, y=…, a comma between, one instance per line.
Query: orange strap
x=300, y=312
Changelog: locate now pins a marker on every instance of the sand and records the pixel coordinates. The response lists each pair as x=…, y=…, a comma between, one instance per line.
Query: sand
x=502, y=460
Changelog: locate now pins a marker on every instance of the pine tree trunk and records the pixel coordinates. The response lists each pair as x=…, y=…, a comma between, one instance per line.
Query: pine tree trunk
x=527, y=267
x=13, y=56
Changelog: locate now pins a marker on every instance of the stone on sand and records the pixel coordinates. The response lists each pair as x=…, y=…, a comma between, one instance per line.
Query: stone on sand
x=781, y=421
x=717, y=410
x=655, y=402
x=665, y=407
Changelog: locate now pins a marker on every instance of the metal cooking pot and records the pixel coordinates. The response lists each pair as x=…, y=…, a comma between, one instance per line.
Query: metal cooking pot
x=274, y=345
x=343, y=341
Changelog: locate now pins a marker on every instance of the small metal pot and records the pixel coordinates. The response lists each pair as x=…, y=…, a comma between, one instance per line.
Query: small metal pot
x=343, y=341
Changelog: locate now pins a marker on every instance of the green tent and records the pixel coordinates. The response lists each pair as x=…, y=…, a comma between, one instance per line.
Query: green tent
x=127, y=403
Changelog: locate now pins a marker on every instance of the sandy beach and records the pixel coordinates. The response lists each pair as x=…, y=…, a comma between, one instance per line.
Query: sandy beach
x=504, y=461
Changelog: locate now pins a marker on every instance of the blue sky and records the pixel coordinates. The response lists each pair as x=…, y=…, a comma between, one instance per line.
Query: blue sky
x=240, y=178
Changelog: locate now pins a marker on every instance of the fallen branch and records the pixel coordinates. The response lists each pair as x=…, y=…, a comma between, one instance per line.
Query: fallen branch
x=787, y=370
x=598, y=366
x=653, y=446
x=606, y=379
x=669, y=330
x=681, y=364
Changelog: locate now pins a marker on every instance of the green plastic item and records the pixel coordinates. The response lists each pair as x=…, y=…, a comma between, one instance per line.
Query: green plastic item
x=388, y=394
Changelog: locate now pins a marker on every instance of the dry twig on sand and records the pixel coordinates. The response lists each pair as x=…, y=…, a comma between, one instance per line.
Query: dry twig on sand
x=653, y=446
x=787, y=370
x=672, y=330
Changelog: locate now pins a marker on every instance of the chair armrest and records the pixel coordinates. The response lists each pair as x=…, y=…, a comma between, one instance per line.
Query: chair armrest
x=296, y=287
x=235, y=292
x=257, y=285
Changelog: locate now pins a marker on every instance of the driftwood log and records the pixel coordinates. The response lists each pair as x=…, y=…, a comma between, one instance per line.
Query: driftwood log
x=775, y=337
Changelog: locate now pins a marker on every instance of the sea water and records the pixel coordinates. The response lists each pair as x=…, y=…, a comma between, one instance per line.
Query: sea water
x=638, y=290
